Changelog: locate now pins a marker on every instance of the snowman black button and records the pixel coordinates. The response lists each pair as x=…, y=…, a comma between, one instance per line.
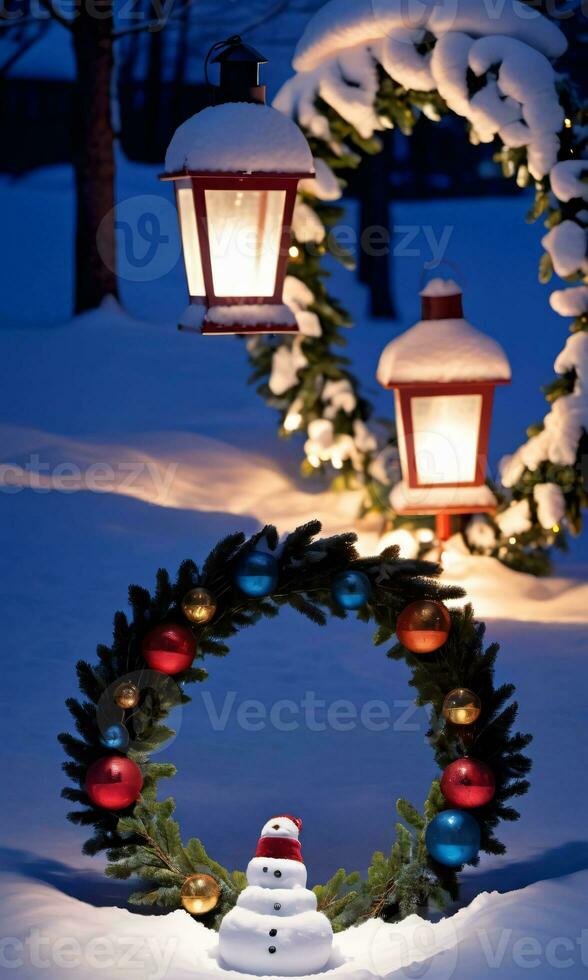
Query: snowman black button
x=265, y=870
x=277, y=874
x=273, y=932
x=271, y=949
x=277, y=906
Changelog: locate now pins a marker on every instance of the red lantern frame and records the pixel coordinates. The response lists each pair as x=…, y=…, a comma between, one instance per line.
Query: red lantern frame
x=406, y=392
x=202, y=181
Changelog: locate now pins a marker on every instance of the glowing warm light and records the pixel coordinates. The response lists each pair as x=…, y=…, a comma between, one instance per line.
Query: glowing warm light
x=462, y=706
x=337, y=463
x=556, y=528
x=450, y=559
x=567, y=123
x=293, y=251
x=314, y=460
x=245, y=229
x=512, y=540
x=403, y=539
x=425, y=535
x=445, y=432
x=190, y=241
x=293, y=421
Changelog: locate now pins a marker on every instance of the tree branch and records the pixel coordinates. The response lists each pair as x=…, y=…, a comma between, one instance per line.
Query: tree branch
x=274, y=11
x=153, y=25
x=50, y=7
x=17, y=55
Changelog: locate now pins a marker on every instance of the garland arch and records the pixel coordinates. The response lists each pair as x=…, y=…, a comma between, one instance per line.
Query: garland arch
x=143, y=840
x=365, y=67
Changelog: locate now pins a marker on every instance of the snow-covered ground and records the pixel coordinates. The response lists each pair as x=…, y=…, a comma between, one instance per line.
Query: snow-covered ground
x=127, y=445
x=540, y=929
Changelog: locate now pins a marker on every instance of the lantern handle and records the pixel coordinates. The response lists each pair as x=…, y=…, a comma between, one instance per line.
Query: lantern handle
x=461, y=279
x=233, y=39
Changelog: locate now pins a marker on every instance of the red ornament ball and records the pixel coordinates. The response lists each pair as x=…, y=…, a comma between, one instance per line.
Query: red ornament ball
x=423, y=626
x=169, y=648
x=114, y=782
x=468, y=783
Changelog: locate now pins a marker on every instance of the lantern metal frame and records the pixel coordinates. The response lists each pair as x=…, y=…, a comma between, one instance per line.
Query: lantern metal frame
x=429, y=389
x=201, y=181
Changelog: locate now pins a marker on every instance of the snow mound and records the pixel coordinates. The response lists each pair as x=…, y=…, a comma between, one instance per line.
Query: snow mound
x=568, y=180
x=563, y=425
x=566, y=244
x=239, y=137
x=251, y=314
x=425, y=500
x=570, y=302
x=68, y=936
x=441, y=287
x=442, y=350
x=498, y=592
x=342, y=24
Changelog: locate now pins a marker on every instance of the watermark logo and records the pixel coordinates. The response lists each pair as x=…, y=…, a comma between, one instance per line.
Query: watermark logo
x=147, y=238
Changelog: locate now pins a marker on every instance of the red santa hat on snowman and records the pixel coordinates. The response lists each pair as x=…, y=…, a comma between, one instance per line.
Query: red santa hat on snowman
x=279, y=838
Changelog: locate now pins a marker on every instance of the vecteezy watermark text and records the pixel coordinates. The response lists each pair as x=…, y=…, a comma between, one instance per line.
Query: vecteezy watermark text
x=121, y=477
x=313, y=714
x=141, y=956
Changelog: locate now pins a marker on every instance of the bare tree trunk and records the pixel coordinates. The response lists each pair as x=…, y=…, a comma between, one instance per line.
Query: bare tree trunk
x=374, y=212
x=94, y=157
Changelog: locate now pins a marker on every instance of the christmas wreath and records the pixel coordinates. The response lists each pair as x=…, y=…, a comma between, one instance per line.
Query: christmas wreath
x=128, y=694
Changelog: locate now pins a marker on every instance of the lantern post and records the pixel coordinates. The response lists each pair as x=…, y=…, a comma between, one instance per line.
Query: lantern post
x=235, y=167
x=443, y=373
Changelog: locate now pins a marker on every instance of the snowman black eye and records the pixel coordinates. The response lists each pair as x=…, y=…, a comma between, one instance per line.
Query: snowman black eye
x=265, y=870
x=277, y=874
x=275, y=826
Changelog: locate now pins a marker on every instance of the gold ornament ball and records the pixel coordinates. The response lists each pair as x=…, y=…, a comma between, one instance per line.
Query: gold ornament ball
x=462, y=707
x=199, y=606
x=200, y=894
x=127, y=695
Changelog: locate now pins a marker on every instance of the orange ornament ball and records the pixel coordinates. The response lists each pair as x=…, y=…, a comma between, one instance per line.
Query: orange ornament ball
x=169, y=648
x=114, y=782
x=200, y=894
x=423, y=626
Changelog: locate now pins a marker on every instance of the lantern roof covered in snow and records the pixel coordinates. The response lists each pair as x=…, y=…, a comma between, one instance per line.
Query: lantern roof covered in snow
x=239, y=137
x=442, y=349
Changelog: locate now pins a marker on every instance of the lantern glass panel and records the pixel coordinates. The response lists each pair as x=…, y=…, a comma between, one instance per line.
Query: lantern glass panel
x=190, y=240
x=446, y=431
x=245, y=233
x=400, y=435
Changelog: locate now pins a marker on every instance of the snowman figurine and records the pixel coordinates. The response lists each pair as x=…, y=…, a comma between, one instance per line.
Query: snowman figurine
x=275, y=928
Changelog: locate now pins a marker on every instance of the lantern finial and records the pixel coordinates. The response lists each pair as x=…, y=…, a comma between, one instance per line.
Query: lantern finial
x=239, y=71
x=441, y=299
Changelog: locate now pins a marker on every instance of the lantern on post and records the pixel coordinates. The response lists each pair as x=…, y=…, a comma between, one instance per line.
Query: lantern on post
x=236, y=167
x=443, y=373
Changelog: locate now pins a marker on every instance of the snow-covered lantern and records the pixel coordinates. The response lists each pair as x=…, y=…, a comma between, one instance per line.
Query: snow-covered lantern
x=236, y=167
x=443, y=373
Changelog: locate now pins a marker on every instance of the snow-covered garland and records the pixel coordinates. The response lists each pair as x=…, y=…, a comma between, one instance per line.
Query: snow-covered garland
x=362, y=68
x=128, y=691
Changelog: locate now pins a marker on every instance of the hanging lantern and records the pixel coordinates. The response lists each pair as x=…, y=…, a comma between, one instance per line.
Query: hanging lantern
x=443, y=372
x=236, y=167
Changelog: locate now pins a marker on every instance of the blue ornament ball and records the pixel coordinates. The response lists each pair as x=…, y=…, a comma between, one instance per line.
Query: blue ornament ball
x=256, y=574
x=453, y=838
x=352, y=590
x=115, y=737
